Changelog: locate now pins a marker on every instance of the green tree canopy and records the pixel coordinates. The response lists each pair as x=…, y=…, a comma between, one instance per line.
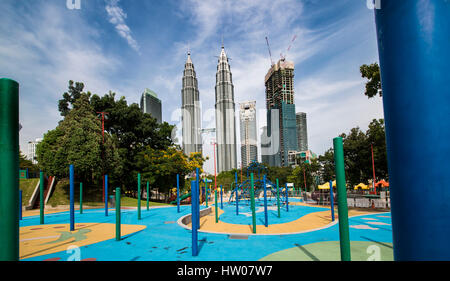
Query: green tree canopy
x=372, y=73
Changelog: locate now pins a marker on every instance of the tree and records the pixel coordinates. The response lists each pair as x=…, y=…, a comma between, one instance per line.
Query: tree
x=307, y=171
x=70, y=97
x=327, y=168
x=77, y=141
x=373, y=86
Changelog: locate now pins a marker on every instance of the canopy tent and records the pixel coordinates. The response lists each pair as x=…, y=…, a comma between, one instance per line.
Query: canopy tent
x=362, y=186
x=383, y=183
x=326, y=185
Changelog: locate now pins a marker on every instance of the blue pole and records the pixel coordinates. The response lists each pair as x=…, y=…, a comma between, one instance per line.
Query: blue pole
x=414, y=55
x=332, y=200
x=197, y=198
x=237, y=197
x=20, y=205
x=72, y=206
x=194, y=206
x=265, y=202
x=178, y=193
x=106, y=195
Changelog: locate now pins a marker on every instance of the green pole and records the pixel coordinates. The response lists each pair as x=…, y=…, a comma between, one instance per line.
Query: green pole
x=217, y=211
x=41, y=196
x=278, y=200
x=139, y=196
x=81, y=197
x=344, y=234
x=9, y=170
x=118, y=214
x=148, y=196
x=252, y=192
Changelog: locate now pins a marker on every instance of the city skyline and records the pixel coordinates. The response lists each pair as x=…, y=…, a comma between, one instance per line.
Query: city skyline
x=93, y=49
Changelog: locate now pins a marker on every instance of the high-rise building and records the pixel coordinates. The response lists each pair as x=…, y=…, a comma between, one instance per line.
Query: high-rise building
x=279, y=82
x=151, y=104
x=302, y=131
x=190, y=110
x=249, y=147
x=32, y=150
x=225, y=116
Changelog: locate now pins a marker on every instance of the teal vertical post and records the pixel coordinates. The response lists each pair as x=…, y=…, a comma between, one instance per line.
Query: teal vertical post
x=344, y=233
x=216, y=207
x=332, y=200
x=41, y=197
x=139, y=197
x=106, y=195
x=81, y=197
x=278, y=200
x=118, y=223
x=9, y=170
x=20, y=204
x=148, y=196
x=221, y=197
x=252, y=197
x=72, y=207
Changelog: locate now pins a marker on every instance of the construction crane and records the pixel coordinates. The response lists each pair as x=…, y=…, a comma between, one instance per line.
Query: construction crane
x=283, y=57
x=270, y=53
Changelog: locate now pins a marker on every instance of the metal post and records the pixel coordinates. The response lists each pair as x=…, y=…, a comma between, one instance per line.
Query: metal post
x=81, y=197
x=20, y=204
x=206, y=192
x=278, y=200
x=118, y=224
x=332, y=200
x=41, y=197
x=148, y=194
x=265, y=202
x=252, y=197
x=237, y=196
x=216, y=207
x=414, y=55
x=221, y=197
x=344, y=233
x=106, y=195
x=194, y=227
x=9, y=170
x=197, y=198
x=287, y=198
x=139, y=197
x=178, y=193
x=72, y=207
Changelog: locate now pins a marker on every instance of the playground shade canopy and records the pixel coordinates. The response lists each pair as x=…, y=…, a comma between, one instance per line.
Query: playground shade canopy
x=383, y=183
x=362, y=186
x=326, y=185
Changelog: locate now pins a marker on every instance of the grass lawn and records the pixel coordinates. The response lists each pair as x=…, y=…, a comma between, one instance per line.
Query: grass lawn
x=132, y=202
x=27, y=186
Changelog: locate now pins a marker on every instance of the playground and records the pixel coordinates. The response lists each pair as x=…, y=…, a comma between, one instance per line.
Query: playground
x=262, y=228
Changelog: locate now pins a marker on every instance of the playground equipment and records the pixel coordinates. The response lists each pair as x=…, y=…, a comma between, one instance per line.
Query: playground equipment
x=242, y=191
x=414, y=55
x=362, y=186
x=118, y=214
x=72, y=206
x=344, y=233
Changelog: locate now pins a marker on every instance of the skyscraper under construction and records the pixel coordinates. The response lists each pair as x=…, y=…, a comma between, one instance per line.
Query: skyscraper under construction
x=281, y=118
x=190, y=110
x=225, y=116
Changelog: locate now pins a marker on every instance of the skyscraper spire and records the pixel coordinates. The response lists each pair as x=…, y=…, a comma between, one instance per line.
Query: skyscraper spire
x=190, y=109
x=225, y=116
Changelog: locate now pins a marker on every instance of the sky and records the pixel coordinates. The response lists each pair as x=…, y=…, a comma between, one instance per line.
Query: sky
x=128, y=45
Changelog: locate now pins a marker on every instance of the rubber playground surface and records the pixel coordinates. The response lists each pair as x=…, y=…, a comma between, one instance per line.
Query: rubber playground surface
x=304, y=233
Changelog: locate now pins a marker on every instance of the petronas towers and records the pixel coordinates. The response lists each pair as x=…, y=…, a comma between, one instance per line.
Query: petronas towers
x=224, y=112
x=190, y=110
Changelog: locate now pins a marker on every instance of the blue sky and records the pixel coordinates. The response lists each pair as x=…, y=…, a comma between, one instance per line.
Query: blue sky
x=129, y=45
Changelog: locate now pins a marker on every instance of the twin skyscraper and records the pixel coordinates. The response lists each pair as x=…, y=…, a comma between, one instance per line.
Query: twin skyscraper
x=224, y=110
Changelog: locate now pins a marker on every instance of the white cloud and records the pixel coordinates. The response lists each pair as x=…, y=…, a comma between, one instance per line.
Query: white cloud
x=117, y=17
